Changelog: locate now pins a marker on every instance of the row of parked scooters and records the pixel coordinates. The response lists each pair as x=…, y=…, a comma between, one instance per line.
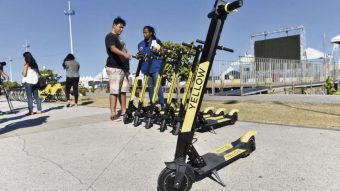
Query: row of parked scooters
x=172, y=114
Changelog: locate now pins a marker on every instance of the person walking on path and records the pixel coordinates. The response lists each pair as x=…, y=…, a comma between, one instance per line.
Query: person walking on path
x=72, y=78
x=148, y=45
x=117, y=67
x=2, y=73
x=30, y=74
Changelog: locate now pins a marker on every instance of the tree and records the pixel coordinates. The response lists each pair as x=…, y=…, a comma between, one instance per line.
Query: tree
x=9, y=84
x=50, y=76
x=329, y=86
x=185, y=63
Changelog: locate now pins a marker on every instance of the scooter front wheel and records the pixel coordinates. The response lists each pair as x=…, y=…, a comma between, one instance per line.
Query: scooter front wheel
x=127, y=119
x=136, y=121
x=162, y=126
x=166, y=180
x=177, y=128
x=148, y=123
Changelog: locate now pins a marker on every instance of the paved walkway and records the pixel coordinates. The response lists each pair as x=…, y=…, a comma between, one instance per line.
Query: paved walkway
x=79, y=148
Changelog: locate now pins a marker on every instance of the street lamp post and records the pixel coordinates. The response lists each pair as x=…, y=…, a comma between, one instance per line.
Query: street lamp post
x=70, y=13
x=10, y=69
x=26, y=46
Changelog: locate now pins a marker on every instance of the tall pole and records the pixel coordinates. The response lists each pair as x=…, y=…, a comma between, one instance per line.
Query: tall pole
x=26, y=46
x=69, y=13
x=10, y=69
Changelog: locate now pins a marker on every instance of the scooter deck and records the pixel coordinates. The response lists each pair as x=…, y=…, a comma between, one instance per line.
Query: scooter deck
x=219, y=121
x=227, y=154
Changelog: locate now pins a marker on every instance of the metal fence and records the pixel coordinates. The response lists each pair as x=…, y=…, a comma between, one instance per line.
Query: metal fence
x=250, y=71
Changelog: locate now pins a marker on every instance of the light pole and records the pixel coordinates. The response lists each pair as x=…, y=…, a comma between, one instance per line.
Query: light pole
x=26, y=46
x=69, y=13
x=10, y=69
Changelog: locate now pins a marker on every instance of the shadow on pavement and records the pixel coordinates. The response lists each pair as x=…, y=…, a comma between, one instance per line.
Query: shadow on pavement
x=86, y=103
x=22, y=116
x=11, y=118
x=53, y=108
x=24, y=124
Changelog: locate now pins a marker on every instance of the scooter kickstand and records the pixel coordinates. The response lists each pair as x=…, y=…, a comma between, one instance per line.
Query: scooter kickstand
x=213, y=130
x=218, y=178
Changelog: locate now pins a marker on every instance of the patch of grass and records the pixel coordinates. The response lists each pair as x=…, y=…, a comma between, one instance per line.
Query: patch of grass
x=285, y=113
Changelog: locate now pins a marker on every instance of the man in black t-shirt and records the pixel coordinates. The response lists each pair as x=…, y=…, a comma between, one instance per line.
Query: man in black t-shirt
x=117, y=67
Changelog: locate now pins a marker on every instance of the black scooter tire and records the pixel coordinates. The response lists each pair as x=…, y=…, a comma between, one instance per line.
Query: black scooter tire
x=177, y=128
x=136, y=121
x=127, y=119
x=166, y=180
x=162, y=126
x=148, y=123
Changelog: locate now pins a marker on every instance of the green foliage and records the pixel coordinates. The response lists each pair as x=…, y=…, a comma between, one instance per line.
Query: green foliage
x=9, y=84
x=50, y=76
x=92, y=84
x=329, y=86
x=185, y=66
x=82, y=89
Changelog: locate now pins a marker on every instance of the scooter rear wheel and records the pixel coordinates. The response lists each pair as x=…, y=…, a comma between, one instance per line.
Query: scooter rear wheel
x=234, y=118
x=166, y=181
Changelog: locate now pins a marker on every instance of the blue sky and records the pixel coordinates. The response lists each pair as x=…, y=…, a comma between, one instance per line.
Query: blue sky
x=44, y=25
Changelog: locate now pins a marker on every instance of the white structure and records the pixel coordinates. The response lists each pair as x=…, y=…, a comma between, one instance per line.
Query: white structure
x=101, y=76
x=336, y=41
x=84, y=80
x=312, y=54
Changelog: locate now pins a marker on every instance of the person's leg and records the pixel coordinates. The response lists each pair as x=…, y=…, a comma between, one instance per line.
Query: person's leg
x=28, y=88
x=67, y=90
x=125, y=88
x=160, y=95
x=114, y=84
x=151, y=86
x=75, y=90
x=113, y=104
x=37, y=98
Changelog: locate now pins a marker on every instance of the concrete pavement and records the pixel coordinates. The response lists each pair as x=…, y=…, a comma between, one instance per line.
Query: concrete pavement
x=79, y=148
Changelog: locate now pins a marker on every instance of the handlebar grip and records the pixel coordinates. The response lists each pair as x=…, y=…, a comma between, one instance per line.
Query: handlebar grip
x=218, y=47
x=200, y=41
x=192, y=46
x=225, y=49
x=229, y=7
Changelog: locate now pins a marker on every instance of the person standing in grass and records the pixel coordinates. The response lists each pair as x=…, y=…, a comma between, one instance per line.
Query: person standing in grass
x=72, y=78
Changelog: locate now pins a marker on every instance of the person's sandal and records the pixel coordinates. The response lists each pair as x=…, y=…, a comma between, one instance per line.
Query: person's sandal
x=115, y=118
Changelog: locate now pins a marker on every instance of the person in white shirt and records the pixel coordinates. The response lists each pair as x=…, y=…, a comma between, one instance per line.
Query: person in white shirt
x=30, y=74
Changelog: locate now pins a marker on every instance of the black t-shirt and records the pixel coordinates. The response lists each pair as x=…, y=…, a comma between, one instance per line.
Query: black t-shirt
x=114, y=60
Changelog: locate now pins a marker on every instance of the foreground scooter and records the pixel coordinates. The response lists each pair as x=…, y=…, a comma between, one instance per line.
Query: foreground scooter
x=181, y=174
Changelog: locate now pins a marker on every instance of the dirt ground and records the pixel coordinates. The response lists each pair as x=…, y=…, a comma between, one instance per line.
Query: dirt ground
x=285, y=113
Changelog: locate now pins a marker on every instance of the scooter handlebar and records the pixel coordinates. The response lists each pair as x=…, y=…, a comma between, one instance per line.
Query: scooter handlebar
x=229, y=7
x=189, y=45
x=218, y=47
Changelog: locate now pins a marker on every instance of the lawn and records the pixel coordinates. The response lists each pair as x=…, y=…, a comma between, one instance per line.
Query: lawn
x=285, y=113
